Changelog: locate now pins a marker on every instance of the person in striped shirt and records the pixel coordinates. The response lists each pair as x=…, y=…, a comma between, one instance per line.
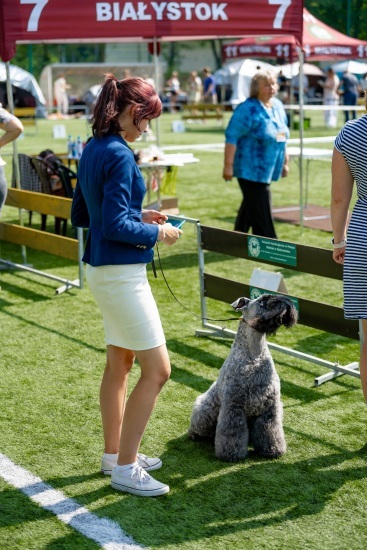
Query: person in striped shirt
x=349, y=165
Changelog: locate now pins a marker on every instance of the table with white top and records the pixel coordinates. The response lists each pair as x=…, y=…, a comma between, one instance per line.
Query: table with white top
x=161, y=174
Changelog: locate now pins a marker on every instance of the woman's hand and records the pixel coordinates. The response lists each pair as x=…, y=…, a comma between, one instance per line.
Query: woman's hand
x=228, y=172
x=153, y=216
x=338, y=255
x=285, y=170
x=168, y=233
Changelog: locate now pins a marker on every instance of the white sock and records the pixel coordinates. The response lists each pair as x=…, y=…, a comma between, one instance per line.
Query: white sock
x=127, y=469
x=112, y=456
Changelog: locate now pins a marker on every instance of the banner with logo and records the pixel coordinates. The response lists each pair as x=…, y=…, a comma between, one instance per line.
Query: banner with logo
x=319, y=43
x=60, y=21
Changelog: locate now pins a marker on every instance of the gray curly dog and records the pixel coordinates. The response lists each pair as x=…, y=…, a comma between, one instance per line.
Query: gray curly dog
x=243, y=406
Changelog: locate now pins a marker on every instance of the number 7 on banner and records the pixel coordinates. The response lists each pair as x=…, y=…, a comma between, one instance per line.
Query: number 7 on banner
x=279, y=16
x=35, y=13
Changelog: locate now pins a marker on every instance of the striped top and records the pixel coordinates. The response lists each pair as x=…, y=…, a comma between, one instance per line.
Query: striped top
x=351, y=143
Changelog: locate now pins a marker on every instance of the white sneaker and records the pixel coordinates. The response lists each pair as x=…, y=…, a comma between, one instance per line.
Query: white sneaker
x=139, y=483
x=149, y=464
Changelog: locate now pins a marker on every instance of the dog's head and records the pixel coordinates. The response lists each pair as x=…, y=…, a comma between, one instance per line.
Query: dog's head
x=267, y=313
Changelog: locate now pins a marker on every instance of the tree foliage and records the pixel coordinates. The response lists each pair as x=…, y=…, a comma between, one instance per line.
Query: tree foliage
x=346, y=16
x=34, y=57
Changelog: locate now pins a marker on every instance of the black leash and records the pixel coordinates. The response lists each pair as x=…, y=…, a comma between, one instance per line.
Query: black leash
x=177, y=300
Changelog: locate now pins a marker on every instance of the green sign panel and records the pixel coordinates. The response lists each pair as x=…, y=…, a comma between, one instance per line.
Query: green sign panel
x=272, y=251
x=255, y=292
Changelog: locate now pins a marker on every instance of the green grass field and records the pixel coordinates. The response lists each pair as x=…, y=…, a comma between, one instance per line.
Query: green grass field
x=52, y=357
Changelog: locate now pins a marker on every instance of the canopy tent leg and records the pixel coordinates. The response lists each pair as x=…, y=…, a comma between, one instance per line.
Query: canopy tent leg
x=301, y=118
x=157, y=83
x=15, y=151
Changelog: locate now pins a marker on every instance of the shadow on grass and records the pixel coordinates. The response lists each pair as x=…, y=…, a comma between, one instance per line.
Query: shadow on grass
x=323, y=343
x=210, y=498
x=203, y=129
x=40, y=260
x=24, y=293
x=201, y=355
x=22, y=521
x=48, y=330
x=196, y=381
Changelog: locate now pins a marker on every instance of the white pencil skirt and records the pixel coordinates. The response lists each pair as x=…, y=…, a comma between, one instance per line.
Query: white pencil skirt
x=130, y=315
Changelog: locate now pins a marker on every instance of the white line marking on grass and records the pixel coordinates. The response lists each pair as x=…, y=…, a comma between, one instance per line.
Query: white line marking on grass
x=103, y=531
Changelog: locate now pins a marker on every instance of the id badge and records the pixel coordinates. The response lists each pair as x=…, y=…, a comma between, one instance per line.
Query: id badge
x=281, y=137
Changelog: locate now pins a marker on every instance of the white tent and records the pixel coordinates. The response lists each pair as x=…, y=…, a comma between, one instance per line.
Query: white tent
x=23, y=80
x=292, y=69
x=239, y=75
x=83, y=76
x=354, y=67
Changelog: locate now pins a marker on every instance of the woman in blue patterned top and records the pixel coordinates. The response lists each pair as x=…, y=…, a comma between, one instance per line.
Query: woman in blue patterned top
x=255, y=153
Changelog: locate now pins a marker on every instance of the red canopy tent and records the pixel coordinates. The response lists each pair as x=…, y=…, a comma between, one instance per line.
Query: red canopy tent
x=60, y=21
x=320, y=43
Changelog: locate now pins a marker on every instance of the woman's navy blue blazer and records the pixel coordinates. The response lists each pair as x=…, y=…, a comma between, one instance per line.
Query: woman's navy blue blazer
x=108, y=201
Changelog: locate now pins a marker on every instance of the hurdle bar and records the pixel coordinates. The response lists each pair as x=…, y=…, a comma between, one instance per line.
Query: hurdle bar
x=306, y=259
x=51, y=243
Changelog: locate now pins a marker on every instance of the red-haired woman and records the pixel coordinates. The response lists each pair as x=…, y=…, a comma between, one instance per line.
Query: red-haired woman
x=108, y=200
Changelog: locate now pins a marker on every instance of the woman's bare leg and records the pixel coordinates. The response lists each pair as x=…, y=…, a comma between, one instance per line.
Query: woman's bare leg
x=363, y=362
x=113, y=394
x=155, y=371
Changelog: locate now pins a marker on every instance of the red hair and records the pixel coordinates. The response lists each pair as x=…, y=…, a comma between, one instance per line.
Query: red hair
x=116, y=95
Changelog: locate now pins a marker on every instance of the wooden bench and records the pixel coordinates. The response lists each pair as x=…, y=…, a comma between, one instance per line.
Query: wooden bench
x=202, y=111
x=27, y=116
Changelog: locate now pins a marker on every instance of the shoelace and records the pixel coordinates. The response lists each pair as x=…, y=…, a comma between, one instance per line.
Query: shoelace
x=143, y=458
x=140, y=475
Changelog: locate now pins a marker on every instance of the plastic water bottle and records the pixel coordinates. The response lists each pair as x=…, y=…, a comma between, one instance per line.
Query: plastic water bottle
x=70, y=146
x=73, y=150
x=79, y=147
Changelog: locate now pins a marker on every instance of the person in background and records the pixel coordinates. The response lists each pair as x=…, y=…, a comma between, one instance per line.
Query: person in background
x=12, y=128
x=209, y=87
x=330, y=97
x=349, y=165
x=363, y=85
x=121, y=237
x=194, y=88
x=150, y=80
x=61, y=94
x=350, y=89
x=283, y=87
x=295, y=85
x=174, y=89
x=255, y=152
